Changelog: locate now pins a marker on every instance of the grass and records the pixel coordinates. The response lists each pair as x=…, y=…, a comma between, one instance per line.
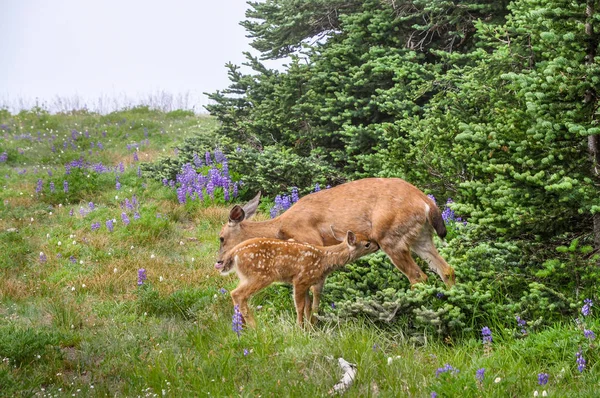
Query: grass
x=78, y=324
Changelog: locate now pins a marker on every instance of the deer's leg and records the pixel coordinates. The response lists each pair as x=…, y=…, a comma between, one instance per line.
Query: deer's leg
x=399, y=253
x=242, y=294
x=425, y=248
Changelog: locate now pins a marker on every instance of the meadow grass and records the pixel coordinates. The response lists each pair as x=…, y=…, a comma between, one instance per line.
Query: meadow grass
x=74, y=321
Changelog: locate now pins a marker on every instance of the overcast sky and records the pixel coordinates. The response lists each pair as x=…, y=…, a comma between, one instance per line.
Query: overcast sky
x=112, y=48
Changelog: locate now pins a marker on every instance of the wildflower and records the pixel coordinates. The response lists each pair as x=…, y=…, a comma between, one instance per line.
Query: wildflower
x=439, y=295
x=497, y=380
x=141, y=276
x=95, y=226
x=118, y=184
x=135, y=157
x=222, y=290
x=3, y=157
x=237, y=320
x=587, y=307
x=480, y=374
x=317, y=187
x=521, y=323
x=72, y=259
x=43, y=258
x=52, y=189
x=39, y=186
x=543, y=379
x=71, y=212
x=136, y=216
x=91, y=205
x=246, y=352
x=125, y=218
x=589, y=334
x=434, y=394
x=110, y=225
x=580, y=361
x=66, y=186
x=487, y=335
x=446, y=368
x=295, y=196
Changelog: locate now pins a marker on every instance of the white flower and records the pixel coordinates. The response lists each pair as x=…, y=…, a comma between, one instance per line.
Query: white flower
x=181, y=243
x=536, y=393
x=152, y=255
x=390, y=359
x=83, y=285
x=160, y=278
x=544, y=393
x=74, y=242
x=73, y=289
x=115, y=270
x=59, y=243
x=497, y=380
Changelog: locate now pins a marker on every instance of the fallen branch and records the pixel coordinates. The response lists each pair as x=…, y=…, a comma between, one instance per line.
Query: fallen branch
x=349, y=370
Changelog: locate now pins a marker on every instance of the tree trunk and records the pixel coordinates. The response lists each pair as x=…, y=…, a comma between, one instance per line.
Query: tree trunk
x=590, y=101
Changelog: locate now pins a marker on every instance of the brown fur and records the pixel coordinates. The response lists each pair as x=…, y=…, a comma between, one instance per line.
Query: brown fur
x=389, y=211
x=259, y=262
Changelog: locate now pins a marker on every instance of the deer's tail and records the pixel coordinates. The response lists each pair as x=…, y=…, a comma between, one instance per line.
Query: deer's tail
x=436, y=220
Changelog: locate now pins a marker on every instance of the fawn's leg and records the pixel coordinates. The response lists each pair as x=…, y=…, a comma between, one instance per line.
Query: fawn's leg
x=300, y=294
x=317, y=289
x=242, y=293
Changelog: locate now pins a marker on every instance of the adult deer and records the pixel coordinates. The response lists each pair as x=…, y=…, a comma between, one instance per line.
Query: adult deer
x=389, y=211
x=259, y=262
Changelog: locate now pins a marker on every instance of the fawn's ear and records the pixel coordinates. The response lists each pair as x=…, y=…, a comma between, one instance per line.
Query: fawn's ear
x=250, y=207
x=351, y=238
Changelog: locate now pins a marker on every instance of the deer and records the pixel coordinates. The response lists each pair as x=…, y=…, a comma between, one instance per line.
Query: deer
x=389, y=211
x=259, y=262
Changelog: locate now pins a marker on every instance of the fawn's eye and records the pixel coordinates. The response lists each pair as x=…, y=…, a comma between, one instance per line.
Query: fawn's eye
x=368, y=245
x=221, y=239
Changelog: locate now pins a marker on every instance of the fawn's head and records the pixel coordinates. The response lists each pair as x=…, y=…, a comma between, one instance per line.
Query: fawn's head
x=359, y=245
x=233, y=232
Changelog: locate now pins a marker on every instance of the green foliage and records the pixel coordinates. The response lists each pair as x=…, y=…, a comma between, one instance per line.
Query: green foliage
x=24, y=345
x=183, y=303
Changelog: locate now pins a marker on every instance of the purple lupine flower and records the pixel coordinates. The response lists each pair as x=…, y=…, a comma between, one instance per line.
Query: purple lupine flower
x=141, y=276
x=317, y=187
x=72, y=259
x=181, y=194
x=208, y=159
x=237, y=321
x=543, y=379
x=434, y=394
x=43, y=258
x=66, y=186
x=91, y=205
x=118, y=184
x=235, y=190
x=139, y=172
x=295, y=196
x=165, y=182
x=480, y=374
x=136, y=216
x=121, y=167
x=580, y=361
x=71, y=212
x=226, y=194
x=49, y=173
x=100, y=145
x=3, y=157
x=39, y=186
x=430, y=196
x=487, y=335
x=222, y=290
x=82, y=212
x=440, y=295
x=219, y=156
x=135, y=157
x=125, y=218
x=110, y=225
x=587, y=307
x=589, y=334
x=445, y=369
x=52, y=189
x=521, y=323
x=246, y=352
x=95, y=226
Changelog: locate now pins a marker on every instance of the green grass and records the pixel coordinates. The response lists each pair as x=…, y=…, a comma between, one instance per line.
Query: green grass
x=78, y=324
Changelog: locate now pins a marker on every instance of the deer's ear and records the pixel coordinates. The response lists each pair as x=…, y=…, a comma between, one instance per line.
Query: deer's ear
x=351, y=238
x=236, y=215
x=250, y=208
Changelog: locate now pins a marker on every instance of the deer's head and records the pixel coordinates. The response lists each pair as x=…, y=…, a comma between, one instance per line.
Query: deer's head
x=234, y=232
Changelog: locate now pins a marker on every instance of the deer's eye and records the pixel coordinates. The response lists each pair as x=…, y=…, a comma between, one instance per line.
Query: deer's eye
x=368, y=245
x=221, y=239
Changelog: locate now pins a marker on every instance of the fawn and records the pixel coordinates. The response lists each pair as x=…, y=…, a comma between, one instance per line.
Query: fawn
x=259, y=262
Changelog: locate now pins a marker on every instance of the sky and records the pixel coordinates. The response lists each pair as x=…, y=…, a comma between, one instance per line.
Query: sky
x=91, y=49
